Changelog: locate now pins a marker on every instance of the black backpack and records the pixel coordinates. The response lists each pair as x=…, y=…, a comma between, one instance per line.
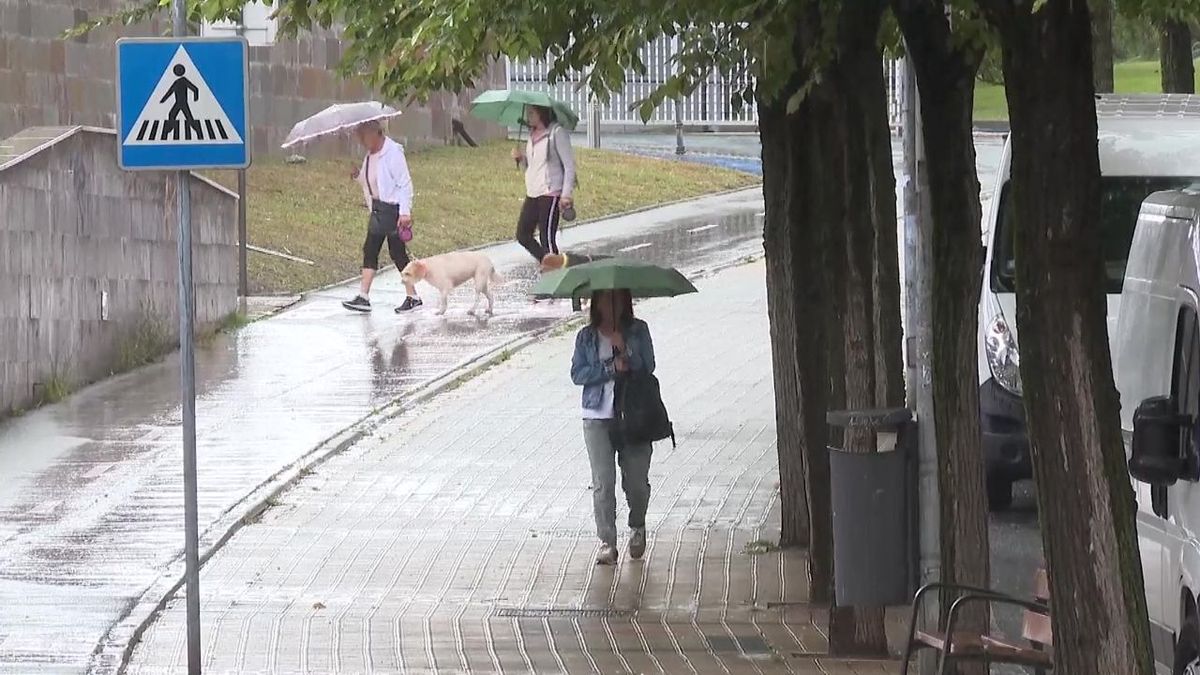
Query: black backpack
x=640, y=414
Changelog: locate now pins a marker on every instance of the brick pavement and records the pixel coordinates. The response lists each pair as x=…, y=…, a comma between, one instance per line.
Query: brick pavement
x=459, y=536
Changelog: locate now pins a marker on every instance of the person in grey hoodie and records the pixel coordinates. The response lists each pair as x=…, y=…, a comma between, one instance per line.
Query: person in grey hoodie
x=549, y=165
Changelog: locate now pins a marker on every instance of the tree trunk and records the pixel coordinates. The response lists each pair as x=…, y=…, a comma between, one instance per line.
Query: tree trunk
x=811, y=294
x=1102, y=46
x=792, y=158
x=1175, y=58
x=860, y=192
x=773, y=131
x=1085, y=501
x=889, y=331
x=945, y=69
x=807, y=230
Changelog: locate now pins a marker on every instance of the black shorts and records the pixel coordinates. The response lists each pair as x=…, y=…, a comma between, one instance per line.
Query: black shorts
x=383, y=226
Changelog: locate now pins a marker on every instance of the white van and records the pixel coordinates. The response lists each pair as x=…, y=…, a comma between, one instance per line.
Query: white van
x=1147, y=143
x=1156, y=364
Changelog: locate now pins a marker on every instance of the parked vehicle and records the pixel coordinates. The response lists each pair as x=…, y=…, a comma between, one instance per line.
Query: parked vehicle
x=1156, y=363
x=1147, y=143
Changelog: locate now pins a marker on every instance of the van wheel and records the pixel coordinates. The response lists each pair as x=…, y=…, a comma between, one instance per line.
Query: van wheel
x=999, y=494
x=1187, y=649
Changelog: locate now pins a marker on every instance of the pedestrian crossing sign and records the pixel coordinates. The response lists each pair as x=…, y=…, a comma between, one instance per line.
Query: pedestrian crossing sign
x=182, y=103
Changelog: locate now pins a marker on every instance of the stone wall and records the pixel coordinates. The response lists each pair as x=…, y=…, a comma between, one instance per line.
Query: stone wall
x=48, y=81
x=88, y=263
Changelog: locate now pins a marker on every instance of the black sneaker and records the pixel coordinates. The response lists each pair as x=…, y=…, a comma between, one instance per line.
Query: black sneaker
x=358, y=304
x=409, y=303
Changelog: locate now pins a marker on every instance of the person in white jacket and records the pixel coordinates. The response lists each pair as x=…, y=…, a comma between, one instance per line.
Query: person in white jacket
x=549, y=165
x=388, y=190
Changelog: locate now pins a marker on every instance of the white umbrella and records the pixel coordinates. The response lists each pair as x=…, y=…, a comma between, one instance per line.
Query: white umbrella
x=337, y=118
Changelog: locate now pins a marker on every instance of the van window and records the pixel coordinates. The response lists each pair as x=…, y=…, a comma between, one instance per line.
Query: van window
x=1185, y=386
x=1120, y=201
x=1185, y=375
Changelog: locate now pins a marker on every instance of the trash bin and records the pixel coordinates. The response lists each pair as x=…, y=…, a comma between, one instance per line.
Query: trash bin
x=873, y=498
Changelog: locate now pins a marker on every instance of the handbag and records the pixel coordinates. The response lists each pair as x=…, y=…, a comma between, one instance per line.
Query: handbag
x=406, y=234
x=640, y=414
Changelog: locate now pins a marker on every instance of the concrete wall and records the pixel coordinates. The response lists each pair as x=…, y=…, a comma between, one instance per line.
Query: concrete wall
x=75, y=226
x=47, y=81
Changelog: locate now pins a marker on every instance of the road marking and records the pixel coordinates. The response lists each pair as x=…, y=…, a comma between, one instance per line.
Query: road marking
x=703, y=228
x=44, y=509
x=634, y=247
x=98, y=470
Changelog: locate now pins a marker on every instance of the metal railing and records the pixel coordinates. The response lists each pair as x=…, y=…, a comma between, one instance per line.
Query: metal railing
x=711, y=104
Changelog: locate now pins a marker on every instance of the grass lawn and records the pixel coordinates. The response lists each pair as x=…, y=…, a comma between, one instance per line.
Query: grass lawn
x=1131, y=77
x=464, y=197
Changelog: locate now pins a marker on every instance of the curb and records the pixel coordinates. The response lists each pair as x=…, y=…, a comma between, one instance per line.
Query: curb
x=116, y=647
x=120, y=641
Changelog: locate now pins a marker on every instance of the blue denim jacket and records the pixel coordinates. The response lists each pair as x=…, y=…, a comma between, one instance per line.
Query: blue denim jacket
x=591, y=373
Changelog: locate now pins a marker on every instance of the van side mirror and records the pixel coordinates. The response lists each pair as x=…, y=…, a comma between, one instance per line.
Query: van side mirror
x=1160, y=452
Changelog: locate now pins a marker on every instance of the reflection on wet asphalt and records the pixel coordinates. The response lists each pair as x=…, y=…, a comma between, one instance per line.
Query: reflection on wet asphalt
x=91, y=503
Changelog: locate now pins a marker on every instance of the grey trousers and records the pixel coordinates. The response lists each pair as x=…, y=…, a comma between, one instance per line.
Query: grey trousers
x=605, y=453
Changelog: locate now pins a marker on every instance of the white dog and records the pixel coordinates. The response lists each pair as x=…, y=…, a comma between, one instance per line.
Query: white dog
x=448, y=271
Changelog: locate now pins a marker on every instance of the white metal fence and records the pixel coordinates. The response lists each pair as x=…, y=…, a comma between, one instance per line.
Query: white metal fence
x=711, y=104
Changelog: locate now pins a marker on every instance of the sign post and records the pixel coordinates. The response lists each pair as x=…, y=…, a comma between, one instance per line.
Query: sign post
x=918, y=330
x=182, y=105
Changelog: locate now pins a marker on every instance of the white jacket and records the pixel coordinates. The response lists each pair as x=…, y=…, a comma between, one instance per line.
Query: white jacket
x=395, y=183
x=550, y=164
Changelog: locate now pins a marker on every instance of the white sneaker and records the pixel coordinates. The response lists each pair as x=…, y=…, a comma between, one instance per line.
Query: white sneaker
x=637, y=543
x=607, y=555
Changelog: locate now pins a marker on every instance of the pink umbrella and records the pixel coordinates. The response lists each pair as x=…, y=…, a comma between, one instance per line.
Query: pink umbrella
x=336, y=119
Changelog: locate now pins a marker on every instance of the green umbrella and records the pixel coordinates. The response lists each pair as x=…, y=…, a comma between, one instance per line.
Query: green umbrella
x=641, y=279
x=507, y=107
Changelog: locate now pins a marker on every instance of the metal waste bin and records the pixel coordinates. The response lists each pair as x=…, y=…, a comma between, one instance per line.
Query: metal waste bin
x=874, y=515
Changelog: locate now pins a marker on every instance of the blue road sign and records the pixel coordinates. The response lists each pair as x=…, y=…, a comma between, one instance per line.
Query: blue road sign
x=182, y=103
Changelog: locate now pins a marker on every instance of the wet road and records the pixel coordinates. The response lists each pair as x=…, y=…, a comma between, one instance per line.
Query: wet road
x=91, y=504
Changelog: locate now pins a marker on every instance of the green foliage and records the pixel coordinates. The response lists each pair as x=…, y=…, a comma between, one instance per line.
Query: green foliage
x=1154, y=11
x=57, y=387
x=991, y=69
x=1134, y=38
x=146, y=342
x=414, y=49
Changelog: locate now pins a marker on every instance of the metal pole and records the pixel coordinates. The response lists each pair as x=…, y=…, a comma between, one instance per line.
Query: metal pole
x=593, y=124
x=918, y=254
x=187, y=371
x=679, y=149
x=243, y=275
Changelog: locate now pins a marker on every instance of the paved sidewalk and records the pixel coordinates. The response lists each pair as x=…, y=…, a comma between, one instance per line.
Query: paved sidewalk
x=91, y=497
x=459, y=536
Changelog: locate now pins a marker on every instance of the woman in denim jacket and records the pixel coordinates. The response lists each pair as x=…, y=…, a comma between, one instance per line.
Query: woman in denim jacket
x=613, y=342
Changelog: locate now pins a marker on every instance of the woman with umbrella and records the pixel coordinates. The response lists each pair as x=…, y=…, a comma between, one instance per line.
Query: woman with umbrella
x=549, y=165
x=548, y=160
x=386, y=185
x=388, y=189
x=612, y=351
x=612, y=344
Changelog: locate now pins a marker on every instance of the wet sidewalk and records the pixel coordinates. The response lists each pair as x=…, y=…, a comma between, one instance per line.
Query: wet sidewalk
x=91, y=502
x=458, y=537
